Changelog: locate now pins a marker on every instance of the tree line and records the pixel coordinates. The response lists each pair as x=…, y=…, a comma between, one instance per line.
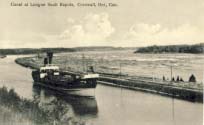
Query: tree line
x=17, y=51
x=197, y=48
x=34, y=51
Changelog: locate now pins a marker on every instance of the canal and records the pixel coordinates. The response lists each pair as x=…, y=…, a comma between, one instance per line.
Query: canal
x=110, y=106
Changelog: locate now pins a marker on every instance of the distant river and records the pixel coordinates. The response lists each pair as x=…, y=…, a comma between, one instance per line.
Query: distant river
x=114, y=106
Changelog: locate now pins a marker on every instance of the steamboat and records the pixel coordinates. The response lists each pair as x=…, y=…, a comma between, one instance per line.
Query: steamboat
x=52, y=77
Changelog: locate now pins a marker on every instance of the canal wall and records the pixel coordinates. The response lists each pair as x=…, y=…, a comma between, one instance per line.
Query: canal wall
x=194, y=95
x=140, y=83
x=27, y=63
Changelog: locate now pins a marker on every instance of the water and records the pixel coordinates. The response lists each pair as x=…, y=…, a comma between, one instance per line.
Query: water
x=150, y=65
x=110, y=106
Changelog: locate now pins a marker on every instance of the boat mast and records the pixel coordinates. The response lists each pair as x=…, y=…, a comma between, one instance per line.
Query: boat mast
x=83, y=57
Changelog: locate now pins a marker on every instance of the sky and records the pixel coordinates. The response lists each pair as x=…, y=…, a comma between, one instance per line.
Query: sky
x=132, y=23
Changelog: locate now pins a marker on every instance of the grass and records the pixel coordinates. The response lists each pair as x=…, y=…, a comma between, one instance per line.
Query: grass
x=15, y=109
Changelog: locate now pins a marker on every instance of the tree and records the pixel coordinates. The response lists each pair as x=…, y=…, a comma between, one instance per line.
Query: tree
x=192, y=78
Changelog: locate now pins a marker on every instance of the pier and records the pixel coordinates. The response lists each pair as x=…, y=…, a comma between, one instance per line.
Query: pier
x=162, y=88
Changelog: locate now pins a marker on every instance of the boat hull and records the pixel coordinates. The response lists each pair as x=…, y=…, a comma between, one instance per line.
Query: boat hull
x=87, y=92
x=72, y=86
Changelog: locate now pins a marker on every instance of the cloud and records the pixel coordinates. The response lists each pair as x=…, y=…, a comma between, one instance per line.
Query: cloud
x=144, y=29
x=145, y=34
x=70, y=20
x=93, y=29
x=21, y=44
x=23, y=40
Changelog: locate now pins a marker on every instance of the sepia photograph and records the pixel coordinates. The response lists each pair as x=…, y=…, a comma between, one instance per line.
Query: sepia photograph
x=101, y=62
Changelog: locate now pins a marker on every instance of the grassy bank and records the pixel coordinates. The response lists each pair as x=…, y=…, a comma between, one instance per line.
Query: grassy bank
x=16, y=110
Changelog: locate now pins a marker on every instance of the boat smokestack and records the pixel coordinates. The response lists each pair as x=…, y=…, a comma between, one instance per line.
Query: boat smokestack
x=91, y=69
x=45, y=61
x=49, y=56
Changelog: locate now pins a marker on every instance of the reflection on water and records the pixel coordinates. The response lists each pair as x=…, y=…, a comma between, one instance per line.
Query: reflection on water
x=77, y=105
